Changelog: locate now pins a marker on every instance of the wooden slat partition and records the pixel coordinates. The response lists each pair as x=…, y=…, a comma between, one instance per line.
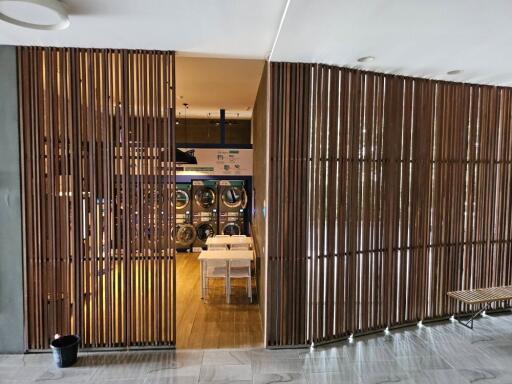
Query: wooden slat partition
x=386, y=192
x=289, y=139
x=98, y=174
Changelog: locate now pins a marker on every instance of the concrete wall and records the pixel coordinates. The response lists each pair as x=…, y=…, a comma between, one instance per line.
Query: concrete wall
x=11, y=270
x=259, y=127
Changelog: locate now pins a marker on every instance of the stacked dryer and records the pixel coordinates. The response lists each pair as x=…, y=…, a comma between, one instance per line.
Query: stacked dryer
x=232, y=203
x=185, y=231
x=205, y=213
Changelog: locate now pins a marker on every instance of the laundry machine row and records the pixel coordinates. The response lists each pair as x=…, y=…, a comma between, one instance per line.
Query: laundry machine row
x=206, y=208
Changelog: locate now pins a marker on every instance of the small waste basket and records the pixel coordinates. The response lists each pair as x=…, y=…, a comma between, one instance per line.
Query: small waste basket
x=65, y=350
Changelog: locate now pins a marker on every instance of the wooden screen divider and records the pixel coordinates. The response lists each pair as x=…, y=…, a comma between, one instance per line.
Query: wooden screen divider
x=386, y=192
x=98, y=174
x=289, y=138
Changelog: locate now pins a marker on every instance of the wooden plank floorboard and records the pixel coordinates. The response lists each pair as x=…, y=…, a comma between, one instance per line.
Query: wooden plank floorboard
x=213, y=323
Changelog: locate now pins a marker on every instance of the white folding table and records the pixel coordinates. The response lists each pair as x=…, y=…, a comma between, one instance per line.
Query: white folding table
x=228, y=240
x=222, y=255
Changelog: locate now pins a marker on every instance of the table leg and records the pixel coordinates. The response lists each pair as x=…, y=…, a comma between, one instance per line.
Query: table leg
x=228, y=283
x=201, y=274
x=249, y=287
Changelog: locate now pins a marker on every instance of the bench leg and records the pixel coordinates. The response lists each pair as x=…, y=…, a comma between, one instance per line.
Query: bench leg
x=469, y=323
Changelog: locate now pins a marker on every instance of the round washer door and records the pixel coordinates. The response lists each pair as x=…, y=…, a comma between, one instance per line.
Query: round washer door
x=182, y=199
x=186, y=235
x=204, y=231
x=205, y=197
x=231, y=229
x=234, y=197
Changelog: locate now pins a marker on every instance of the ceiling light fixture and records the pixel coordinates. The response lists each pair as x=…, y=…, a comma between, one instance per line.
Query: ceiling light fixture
x=455, y=72
x=366, y=59
x=27, y=13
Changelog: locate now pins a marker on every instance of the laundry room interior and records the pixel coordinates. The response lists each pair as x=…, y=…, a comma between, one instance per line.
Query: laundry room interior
x=220, y=201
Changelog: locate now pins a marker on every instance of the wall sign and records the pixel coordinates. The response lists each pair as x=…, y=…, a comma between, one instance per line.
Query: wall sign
x=217, y=162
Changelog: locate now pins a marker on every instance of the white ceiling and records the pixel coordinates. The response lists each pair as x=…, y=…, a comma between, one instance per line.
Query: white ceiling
x=208, y=84
x=233, y=28
x=423, y=38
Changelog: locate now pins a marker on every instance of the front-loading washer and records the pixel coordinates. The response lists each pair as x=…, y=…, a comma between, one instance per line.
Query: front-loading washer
x=204, y=210
x=185, y=232
x=232, y=204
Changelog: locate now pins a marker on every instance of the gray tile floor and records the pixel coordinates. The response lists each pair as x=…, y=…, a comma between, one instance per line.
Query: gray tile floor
x=437, y=353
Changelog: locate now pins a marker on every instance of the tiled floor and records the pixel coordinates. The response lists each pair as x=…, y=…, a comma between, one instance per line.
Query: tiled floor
x=437, y=353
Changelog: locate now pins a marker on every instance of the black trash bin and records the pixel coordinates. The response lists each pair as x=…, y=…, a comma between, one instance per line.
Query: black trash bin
x=65, y=350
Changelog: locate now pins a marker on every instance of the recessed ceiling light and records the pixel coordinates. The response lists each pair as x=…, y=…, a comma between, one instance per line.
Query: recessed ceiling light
x=47, y=15
x=366, y=59
x=455, y=72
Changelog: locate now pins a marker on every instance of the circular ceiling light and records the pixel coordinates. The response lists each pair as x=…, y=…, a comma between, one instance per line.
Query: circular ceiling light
x=366, y=59
x=455, y=72
x=46, y=15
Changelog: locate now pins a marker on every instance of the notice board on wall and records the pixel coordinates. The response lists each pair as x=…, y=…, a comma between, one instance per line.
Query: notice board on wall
x=217, y=162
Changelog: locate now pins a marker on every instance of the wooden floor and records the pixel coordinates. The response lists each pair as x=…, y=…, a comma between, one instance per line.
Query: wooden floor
x=212, y=323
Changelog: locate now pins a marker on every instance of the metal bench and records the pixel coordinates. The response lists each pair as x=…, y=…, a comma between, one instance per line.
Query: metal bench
x=485, y=296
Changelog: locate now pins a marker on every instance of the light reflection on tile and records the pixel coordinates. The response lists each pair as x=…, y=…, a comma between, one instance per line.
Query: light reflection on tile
x=410, y=347
x=373, y=353
x=425, y=363
x=372, y=368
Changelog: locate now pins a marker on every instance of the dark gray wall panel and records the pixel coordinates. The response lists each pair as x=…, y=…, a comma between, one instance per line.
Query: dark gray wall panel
x=11, y=270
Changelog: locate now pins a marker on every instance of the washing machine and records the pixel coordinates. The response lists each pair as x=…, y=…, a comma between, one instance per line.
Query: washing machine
x=204, y=210
x=232, y=203
x=185, y=231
